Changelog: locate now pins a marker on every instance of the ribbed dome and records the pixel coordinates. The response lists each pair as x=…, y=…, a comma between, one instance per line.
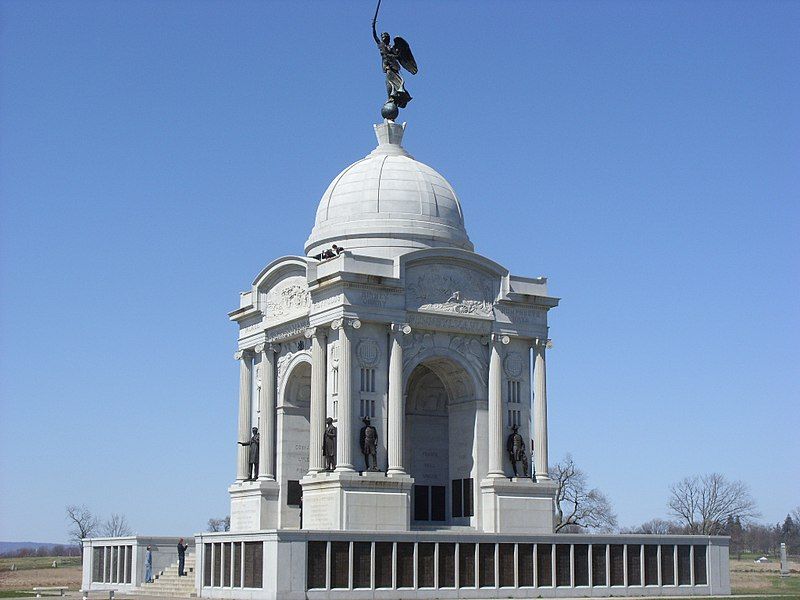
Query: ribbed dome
x=388, y=203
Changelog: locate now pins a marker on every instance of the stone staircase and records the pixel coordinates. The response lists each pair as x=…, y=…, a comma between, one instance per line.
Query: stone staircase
x=167, y=584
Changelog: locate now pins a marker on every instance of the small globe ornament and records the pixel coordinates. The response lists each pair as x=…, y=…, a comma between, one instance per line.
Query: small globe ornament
x=390, y=110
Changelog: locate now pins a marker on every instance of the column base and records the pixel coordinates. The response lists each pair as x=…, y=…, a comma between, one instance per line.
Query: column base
x=517, y=505
x=254, y=505
x=350, y=501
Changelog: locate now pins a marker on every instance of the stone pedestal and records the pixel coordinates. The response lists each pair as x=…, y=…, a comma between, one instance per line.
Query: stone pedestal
x=517, y=505
x=254, y=505
x=357, y=502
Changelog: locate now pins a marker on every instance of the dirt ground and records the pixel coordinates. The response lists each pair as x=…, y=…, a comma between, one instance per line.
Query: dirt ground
x=29, y=578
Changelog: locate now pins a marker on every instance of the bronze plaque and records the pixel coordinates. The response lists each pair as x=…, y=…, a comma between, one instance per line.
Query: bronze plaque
x=315, y=565
x=447, y=565
x=466, y=565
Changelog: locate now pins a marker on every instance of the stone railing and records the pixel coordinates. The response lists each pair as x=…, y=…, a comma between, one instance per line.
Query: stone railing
x=443, y=564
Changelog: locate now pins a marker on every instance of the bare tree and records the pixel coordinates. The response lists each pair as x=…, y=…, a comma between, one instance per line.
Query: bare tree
x=704, y=502
x=577, y=506
x=220, y=524
x=656, y=527
x=116, y=526
x=82, y=523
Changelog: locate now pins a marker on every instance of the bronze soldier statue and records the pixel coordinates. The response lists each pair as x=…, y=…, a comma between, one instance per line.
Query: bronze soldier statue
x=368, y=441
x=252, y=463
x=515, y=446
x=329, y=445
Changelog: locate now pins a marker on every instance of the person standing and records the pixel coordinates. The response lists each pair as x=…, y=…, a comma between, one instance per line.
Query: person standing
x=148, y=565
x=181, y=556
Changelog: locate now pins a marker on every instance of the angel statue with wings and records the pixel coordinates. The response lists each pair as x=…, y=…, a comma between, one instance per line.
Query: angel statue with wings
x=393, y=57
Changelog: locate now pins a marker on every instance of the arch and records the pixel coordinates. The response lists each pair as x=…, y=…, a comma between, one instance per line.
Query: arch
x=292, y=435
x=285, y=371
x=437, y=359
x=442, y=455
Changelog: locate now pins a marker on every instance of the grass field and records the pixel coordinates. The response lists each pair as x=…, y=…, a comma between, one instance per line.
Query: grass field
x=759, y=579
x=38, y=571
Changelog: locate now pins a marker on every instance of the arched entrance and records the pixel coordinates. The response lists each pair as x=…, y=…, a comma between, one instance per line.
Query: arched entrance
x=441, y=422
x=293, y=415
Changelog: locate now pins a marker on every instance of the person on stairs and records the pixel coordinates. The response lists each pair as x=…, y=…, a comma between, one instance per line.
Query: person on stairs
x=181, y=556
x=148, y=565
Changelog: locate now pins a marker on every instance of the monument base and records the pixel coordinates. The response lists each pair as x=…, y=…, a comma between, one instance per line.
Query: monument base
x=254, y=505
x=357, y=502
x=517, y=505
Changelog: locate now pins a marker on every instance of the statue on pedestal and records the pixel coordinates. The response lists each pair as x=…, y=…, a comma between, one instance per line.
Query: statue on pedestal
x=252, y=463
x=392, y=58
x=329, y=445
x=368, y=440
x=515, y=446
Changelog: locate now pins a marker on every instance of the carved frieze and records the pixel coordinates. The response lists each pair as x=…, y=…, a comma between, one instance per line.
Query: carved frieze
x=373, y=298
x=449, y=289
x=522, y=316
x=429, y=321
x=287, y=331
x=326, y=303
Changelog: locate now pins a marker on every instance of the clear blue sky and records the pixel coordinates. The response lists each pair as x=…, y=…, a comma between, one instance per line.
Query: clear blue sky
x=156, y=155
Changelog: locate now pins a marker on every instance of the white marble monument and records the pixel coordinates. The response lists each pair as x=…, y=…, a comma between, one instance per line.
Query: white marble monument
x=442, y=348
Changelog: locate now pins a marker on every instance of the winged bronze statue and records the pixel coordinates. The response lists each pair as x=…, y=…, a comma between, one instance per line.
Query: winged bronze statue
x=394, y=56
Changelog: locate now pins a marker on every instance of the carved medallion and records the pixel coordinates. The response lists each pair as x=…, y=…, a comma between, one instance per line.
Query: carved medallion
x=368, y=352
x=513, y=365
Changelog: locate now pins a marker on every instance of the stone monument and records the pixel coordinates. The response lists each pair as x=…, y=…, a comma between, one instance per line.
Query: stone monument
x=392, y=338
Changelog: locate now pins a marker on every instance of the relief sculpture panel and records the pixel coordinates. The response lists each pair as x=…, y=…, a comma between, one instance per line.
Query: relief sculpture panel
x=450, y=289
x=286, y=300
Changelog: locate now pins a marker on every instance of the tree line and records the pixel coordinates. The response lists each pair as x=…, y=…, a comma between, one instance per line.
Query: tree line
x=40, y=551
x=708, y=504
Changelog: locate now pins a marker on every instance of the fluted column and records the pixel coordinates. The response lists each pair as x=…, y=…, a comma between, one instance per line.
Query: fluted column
x=540, y=410
x=245, y=358
x=344, y=426
x=266, y=450
x=496, y=407
x=397, y=405
x=318, y=393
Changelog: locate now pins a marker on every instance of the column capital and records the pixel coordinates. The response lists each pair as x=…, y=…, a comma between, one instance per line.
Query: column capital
x=541, y=343
x=499, y=338
x=344, y=322
x=245, y=353
x=400, y=328
x=267, y=347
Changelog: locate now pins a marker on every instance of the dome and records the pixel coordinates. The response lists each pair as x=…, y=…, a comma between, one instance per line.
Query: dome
x=388, y=203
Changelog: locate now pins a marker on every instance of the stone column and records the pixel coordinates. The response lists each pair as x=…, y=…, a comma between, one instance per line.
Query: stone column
x=245, y=358
x=496, y=442
x=318, y=396
x=266, y=450
x=344, y=426
x=540, y=410
x=397, y=405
